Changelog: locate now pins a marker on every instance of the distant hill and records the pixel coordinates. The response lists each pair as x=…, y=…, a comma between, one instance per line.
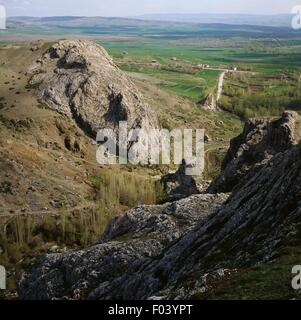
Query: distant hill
x=75, y=21
x=282, y=20
x=178, y=26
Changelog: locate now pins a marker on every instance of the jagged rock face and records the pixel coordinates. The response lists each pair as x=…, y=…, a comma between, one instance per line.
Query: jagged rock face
x=168, y=250
x=250, y=229
x=178, y=185
x=79, y=79
x=131, y=240
x=260, y=141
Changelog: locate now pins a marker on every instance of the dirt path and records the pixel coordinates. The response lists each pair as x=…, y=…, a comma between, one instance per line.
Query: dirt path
x=50, y=211
x=220, y=85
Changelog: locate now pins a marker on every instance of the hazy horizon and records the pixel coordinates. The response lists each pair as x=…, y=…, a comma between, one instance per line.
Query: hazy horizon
x=132, y=8
x=147, y=14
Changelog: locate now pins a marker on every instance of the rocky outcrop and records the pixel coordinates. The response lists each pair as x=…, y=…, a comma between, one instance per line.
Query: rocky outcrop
x=248, y=230
x=79, y=79
x=178, y=185
x=167, y=252
x=208, y=103
x=260, y=141
x=131, y=240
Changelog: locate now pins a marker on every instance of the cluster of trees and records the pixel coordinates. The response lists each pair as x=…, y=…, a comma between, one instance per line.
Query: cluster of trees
x=270, y=101
x=26, y=236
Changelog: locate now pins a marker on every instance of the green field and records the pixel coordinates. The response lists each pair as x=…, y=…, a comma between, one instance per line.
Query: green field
x=250, y=57
x=264, y=94
x=154, y=59
x=136, y=44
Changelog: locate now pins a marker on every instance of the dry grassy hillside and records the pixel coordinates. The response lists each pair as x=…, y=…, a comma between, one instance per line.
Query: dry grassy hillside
x=45, y=158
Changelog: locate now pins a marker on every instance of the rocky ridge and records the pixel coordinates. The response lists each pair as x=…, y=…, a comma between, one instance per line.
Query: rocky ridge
x=167, y=252
x=79, y=79
x=260, y=141
x=131, y=240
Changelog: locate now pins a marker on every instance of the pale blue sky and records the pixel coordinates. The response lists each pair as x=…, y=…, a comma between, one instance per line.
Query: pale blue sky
x=138, y=7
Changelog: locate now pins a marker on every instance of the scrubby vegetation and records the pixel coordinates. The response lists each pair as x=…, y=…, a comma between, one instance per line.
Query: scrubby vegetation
x=258, y=95
x=213, y=160
x=115, y=189
x=23, y=237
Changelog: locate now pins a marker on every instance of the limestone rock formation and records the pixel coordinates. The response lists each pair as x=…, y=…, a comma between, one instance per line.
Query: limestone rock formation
x=79, y=79
x=260, y=141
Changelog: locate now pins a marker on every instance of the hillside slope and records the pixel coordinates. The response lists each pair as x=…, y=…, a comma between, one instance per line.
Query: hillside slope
x=53, y=100
x=45, y=158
